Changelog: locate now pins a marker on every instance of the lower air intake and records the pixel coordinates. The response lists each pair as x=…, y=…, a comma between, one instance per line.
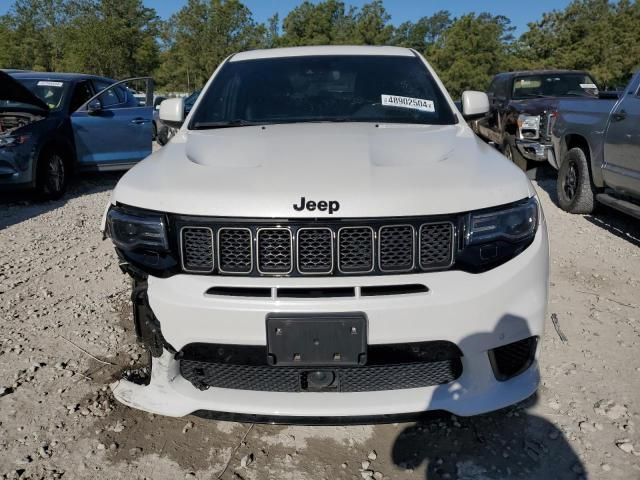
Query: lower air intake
x=513, y=359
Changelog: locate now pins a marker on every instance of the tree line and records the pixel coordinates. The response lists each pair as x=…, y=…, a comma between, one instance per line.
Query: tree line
x=120, y=38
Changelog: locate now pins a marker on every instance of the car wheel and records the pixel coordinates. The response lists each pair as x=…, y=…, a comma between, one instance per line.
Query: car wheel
x=162, y=136
x=51, y=179
x=576, y=192
x=154, y=131
x=512, y=153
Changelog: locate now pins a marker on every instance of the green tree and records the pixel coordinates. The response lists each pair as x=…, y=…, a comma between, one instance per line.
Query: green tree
x=32, y=34
x=594, y=35
x=471, y=51
x=200, y=36
x=324, y=23
x=372, y=25
x=422, y=34
x=117, y=38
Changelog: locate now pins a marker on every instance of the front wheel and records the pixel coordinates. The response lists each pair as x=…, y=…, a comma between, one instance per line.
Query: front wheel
x=512, y=153
x=51, y=177
x=576, y=192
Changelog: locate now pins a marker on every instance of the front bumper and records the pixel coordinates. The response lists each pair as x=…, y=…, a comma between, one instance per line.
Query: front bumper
x=17, y=167
x=477, y=312
x=535, y=150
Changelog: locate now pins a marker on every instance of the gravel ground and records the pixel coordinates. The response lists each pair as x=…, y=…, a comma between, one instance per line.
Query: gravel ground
x=65, y=332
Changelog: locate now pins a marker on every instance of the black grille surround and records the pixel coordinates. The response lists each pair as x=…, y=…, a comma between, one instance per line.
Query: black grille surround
x=322, y=247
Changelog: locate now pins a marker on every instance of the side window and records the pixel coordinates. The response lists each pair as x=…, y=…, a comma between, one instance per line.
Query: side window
x=491, y=91
x=131, y=93
x=82, y=92
x=502, y=87
x=111, y=97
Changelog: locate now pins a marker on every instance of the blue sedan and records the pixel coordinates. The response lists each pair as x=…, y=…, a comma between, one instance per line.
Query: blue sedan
x=52, y=124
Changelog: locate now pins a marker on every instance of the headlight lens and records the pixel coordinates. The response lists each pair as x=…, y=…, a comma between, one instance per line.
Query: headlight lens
x=512, y=224
x=493, y=237
x=13, y=140
x=529, y=126
x=137, y=231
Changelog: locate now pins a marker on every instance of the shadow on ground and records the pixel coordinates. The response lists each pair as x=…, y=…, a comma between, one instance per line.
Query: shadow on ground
x=509, y=443
x=16, y=207
x=613, y=221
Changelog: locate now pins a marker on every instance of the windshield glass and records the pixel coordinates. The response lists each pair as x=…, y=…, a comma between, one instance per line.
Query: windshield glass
x=51, y=92
x=554, y=85
x=323, y=89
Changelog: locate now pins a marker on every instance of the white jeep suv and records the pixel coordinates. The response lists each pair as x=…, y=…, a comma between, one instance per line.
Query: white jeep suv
x=326, y=241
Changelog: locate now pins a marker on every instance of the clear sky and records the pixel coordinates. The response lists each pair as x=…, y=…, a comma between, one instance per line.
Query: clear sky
x=400, y=10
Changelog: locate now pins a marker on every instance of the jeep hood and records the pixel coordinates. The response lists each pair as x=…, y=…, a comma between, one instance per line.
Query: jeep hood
x=372, y=170
x=13, y=91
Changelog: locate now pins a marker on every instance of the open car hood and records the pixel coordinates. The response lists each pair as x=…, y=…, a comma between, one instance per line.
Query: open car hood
x=13, y=91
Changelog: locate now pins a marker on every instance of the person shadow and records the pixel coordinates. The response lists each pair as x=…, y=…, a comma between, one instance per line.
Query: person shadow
x=506, y=443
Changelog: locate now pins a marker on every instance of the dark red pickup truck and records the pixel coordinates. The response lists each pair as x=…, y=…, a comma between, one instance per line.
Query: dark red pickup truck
x=520, y=105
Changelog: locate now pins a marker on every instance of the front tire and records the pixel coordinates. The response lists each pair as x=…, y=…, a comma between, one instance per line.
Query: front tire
x=512, y=153
x=576, y=191
x=51, y=176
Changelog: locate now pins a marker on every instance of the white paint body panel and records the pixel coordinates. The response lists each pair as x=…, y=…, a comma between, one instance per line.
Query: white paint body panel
x=476, y=311
x=373, y=171
x=385, y=170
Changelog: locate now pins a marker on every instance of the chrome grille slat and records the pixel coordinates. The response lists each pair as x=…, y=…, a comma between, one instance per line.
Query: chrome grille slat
x=355, y=249
x=396, y=245
x=196, y=244
x=235, y=250
x=436, y=245
x=275, y=250
x=315, y=250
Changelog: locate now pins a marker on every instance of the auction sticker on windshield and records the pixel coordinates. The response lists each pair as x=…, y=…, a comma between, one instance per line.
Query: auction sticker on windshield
x=408, y=102
x=46, y=83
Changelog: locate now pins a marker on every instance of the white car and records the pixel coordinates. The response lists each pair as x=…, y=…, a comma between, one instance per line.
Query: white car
x=325, y=240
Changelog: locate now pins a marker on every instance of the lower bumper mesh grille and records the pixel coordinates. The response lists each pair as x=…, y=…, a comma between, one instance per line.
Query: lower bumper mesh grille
x=389, y=367
x=288, y=379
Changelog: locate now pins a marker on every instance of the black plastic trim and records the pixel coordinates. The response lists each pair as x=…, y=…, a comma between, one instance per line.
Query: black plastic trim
x=403, y=289
x=316, y=292
x=531, y=344
x=377, y=354
x=318, y=421
x=261, y=292
x=146, y=324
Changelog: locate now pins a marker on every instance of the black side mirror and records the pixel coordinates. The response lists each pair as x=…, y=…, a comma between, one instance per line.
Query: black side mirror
x=94, y=107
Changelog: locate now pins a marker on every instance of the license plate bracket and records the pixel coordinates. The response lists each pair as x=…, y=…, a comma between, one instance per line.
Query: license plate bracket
x=303, y=340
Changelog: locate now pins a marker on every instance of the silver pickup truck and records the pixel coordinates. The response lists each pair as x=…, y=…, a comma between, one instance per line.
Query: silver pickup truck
x=597, y=151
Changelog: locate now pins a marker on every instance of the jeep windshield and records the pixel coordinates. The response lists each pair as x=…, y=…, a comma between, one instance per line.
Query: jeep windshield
x=554, y=85
x=337, y=88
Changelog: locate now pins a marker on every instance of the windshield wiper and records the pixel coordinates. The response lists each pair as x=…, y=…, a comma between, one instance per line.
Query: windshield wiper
x=532, y=95
x=238, y=122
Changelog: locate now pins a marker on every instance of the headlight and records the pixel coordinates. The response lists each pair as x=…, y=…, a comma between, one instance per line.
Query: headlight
x=512, y=224
x=529, y=126
x=493, y=237
x=142, y=241
x=13, y=140
x=135, y=231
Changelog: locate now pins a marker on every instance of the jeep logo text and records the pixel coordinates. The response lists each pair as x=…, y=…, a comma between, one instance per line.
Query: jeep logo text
x=322, y=205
